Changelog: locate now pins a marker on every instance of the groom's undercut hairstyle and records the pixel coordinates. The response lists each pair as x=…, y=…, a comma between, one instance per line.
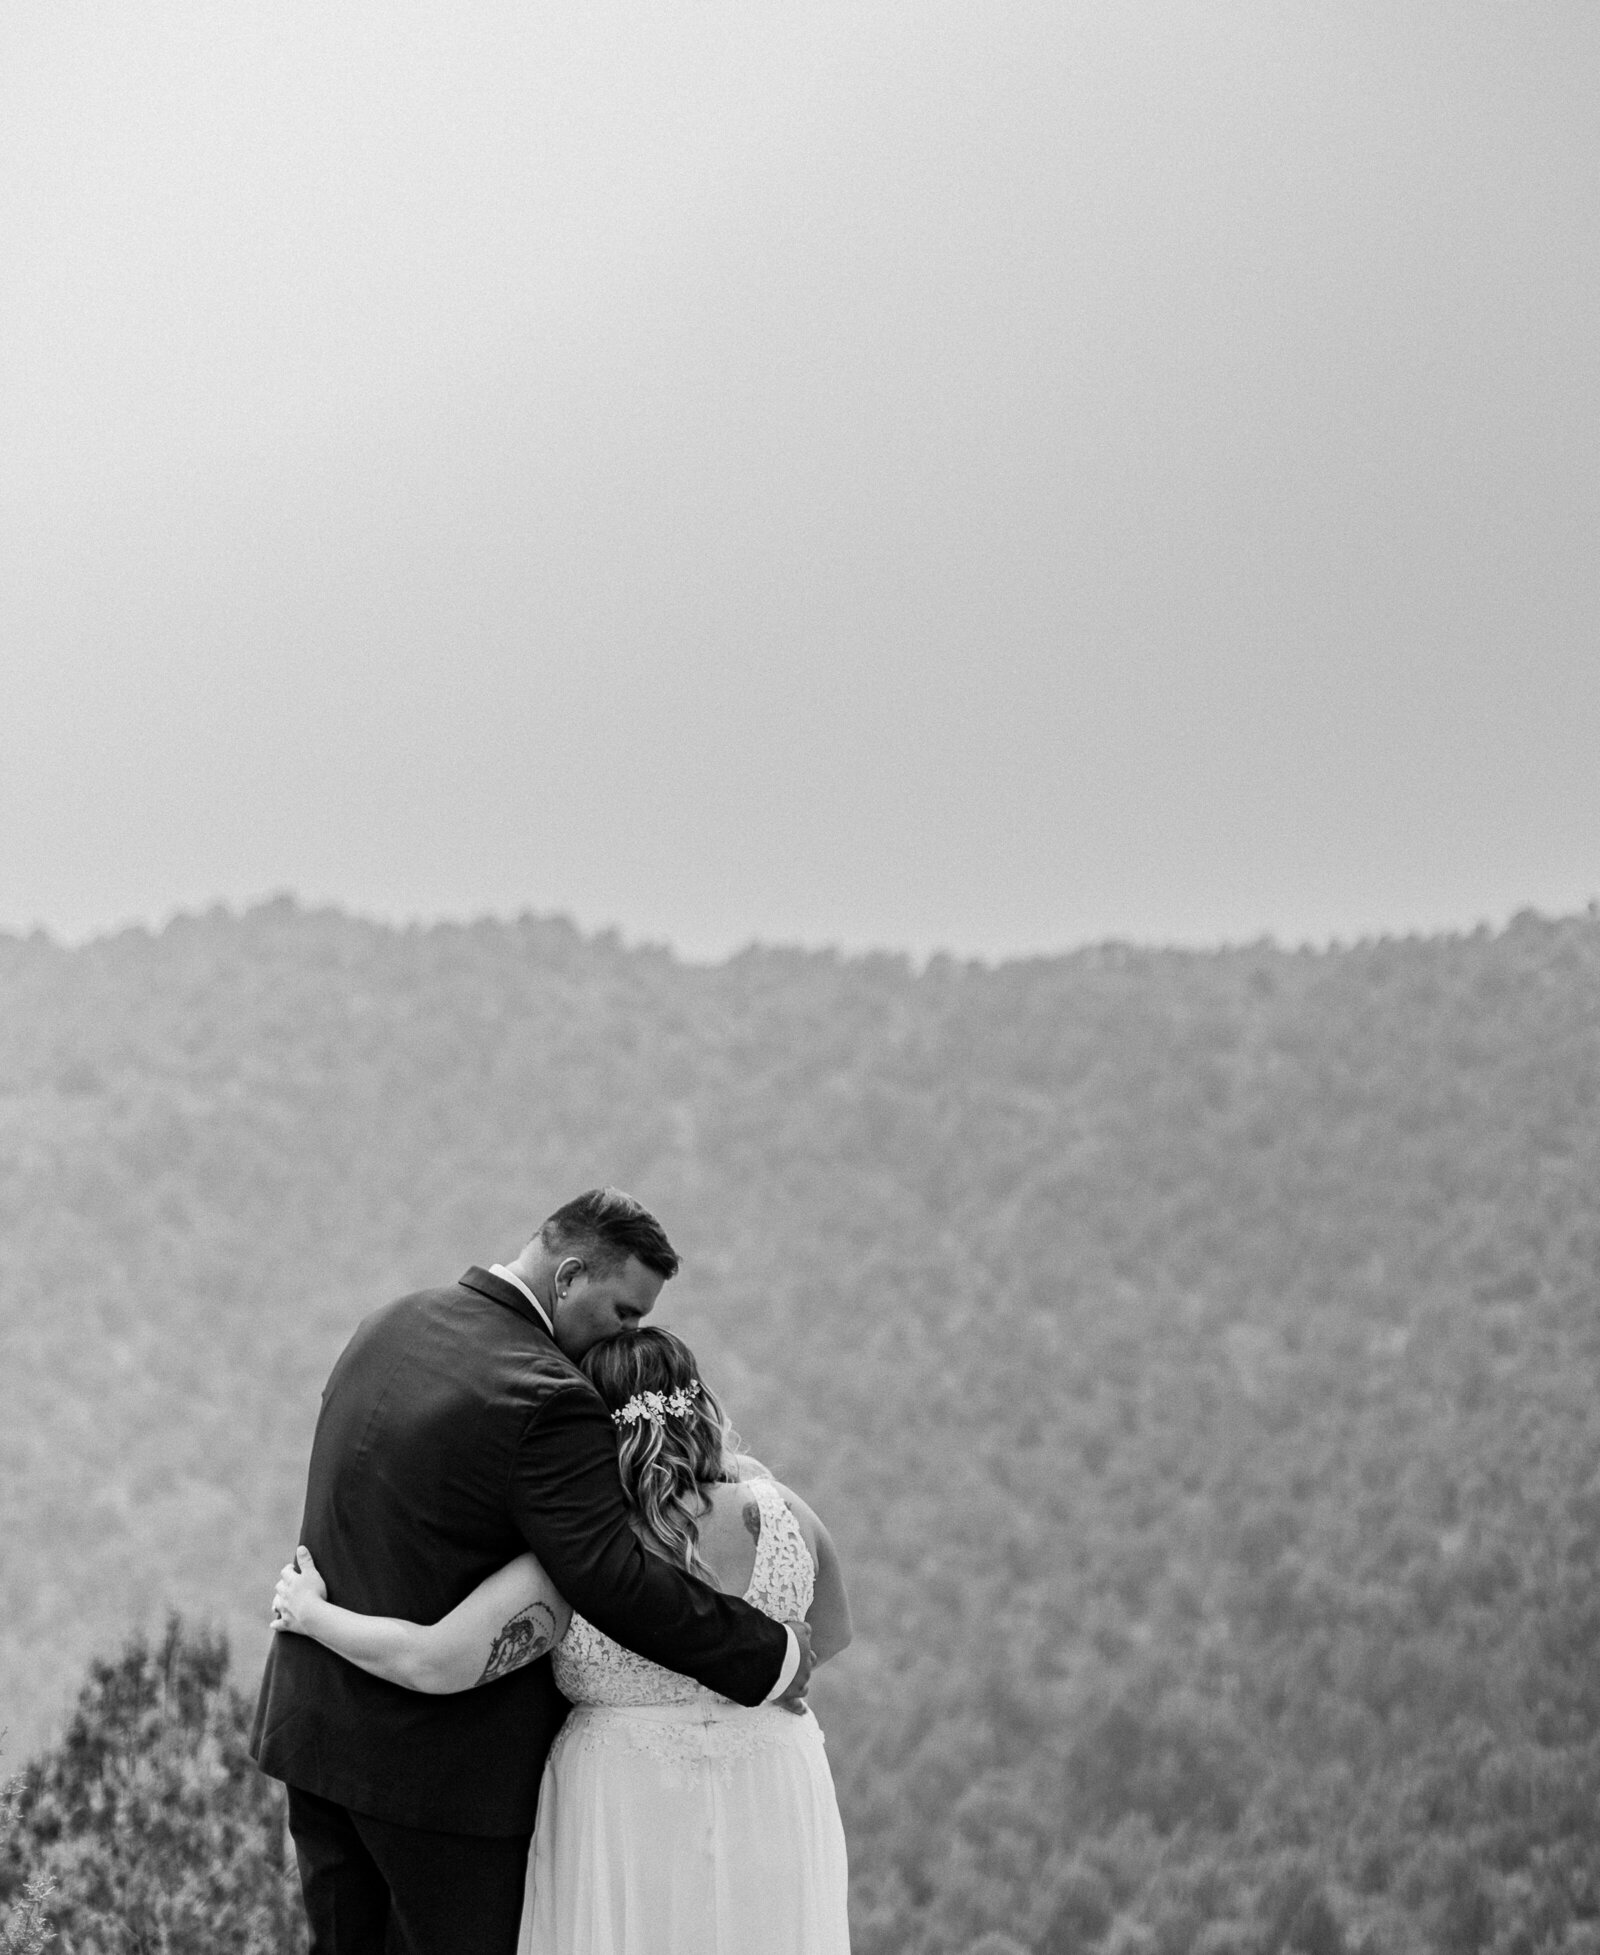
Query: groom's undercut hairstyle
x=605, y=1227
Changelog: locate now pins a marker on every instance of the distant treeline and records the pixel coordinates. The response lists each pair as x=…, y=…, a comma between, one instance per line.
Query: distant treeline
x=1194, y=1355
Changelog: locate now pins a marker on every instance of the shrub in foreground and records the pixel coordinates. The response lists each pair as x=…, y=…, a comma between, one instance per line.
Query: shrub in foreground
x=148, y=1822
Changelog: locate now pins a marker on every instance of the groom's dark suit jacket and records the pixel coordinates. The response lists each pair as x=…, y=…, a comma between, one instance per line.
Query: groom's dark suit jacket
x=453, y=1435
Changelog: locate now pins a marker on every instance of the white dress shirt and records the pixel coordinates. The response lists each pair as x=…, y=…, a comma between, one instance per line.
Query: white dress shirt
x=791, y=1661
x=510, y=1276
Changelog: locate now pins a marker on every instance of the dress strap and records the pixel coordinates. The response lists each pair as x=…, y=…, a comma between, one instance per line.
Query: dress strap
x=777, y=1523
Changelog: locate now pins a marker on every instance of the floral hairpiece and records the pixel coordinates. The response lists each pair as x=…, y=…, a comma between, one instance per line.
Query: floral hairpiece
x=657, y=1407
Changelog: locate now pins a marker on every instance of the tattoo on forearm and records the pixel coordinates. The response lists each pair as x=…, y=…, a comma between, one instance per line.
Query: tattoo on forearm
x=526, y=1637
x=752, y=1520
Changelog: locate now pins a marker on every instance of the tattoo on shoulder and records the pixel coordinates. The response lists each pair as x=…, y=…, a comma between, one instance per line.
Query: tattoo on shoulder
x=530, y=1634
x=752, y=1519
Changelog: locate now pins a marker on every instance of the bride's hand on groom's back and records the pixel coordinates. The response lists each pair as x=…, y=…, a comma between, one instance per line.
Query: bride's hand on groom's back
x=299, y=1584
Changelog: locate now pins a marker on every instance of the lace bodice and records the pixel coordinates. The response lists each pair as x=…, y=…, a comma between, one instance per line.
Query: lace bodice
x=591, y=1669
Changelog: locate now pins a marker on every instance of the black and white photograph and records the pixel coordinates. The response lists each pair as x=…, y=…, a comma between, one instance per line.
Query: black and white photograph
x=800, y=978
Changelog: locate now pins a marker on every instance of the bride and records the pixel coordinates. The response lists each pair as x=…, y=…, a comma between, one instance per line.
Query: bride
x=669, y=1818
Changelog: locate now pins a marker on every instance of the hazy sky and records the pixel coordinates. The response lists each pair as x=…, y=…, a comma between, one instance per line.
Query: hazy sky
x=988, y=477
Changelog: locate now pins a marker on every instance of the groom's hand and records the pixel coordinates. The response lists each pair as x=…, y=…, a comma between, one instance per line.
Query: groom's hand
x=794, y=1698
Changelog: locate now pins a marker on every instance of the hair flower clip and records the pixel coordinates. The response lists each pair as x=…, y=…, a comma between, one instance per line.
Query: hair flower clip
x=658, y=1407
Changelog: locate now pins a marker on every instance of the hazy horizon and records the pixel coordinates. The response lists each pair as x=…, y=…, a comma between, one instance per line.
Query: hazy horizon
x=918, y=954
x=903, y=477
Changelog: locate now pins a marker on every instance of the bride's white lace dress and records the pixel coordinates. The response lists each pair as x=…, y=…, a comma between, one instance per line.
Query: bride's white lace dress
x=673, y=1822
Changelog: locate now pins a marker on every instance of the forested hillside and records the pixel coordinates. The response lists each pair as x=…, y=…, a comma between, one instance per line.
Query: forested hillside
x=1195, y=1356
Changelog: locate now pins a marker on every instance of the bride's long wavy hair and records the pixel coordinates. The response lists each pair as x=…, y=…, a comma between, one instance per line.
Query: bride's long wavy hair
x=664, y=1466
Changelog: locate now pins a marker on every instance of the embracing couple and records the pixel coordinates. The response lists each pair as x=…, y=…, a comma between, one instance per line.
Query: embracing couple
x=521, y=1499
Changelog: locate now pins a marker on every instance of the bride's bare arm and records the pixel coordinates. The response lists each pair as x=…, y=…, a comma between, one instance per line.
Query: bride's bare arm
x=829, y=1614
x=510, y=1619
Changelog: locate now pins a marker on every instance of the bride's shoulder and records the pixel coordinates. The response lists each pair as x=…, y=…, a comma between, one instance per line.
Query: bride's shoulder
x=810, y=1526
x=730, y=1499
x=745, y=1499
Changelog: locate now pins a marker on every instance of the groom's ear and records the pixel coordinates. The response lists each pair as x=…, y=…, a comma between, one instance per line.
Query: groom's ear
x=570, y=1267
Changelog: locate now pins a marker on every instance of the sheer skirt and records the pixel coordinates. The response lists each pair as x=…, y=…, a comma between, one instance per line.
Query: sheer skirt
x=702, y=1827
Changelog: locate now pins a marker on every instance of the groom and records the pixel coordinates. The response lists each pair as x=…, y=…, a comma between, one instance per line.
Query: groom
x=456, y=1432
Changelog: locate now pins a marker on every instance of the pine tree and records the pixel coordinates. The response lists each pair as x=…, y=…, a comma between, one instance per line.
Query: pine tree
x=24, y=1930
x=149, y=1819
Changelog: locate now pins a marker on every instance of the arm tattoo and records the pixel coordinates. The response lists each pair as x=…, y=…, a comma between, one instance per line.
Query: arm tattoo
x=525, y=1637
x=752, y=1520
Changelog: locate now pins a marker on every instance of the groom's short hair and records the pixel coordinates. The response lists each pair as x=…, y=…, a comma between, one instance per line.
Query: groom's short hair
x=605, y=1227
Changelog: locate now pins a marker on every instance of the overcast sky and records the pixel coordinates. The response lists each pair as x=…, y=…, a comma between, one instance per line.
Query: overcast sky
x=983, y=477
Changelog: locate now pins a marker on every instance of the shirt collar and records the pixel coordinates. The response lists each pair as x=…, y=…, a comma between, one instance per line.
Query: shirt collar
x=510, y=1276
